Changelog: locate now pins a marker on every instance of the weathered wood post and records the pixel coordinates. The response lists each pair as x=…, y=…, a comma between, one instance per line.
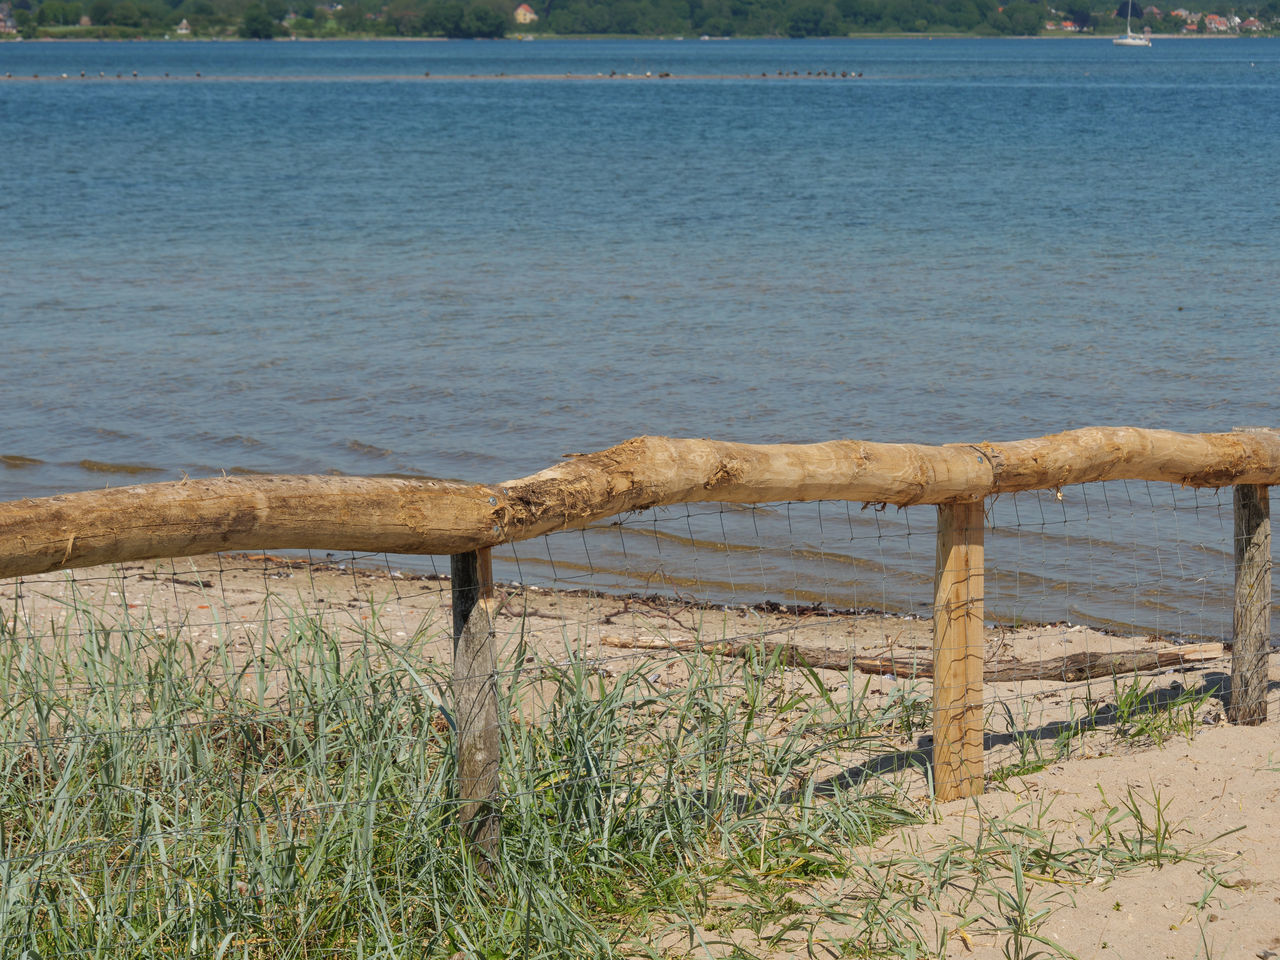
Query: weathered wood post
x=957, y=652
x=485, y=567
x=1252, y=620
x=475, y=700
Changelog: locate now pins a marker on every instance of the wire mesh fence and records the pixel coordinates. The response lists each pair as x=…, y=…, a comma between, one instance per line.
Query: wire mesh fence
x=253, y=755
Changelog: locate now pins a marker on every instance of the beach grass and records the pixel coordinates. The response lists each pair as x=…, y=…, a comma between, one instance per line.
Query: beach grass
x=160, y=801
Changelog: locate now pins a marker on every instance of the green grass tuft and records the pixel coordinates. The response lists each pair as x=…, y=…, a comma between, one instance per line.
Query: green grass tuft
x=298, y=803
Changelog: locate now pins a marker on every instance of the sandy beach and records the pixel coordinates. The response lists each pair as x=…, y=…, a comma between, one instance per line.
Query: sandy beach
x=1215, y=785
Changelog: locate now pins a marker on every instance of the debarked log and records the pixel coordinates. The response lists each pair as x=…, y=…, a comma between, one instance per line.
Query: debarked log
x=1071, y=668
x=193, y=517
x=652, y=471
x=394, y=515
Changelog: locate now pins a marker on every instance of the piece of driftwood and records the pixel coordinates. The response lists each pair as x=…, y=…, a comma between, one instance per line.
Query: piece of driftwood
x=377, y=514
x=1076, y=666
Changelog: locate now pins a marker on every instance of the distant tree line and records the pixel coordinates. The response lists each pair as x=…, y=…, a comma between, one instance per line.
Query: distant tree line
x=494, y=18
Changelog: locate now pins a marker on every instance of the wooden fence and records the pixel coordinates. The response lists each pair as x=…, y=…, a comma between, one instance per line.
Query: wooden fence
x=194, y=517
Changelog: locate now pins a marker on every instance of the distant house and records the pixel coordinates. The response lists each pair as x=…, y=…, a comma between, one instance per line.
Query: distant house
x=7, y=24
x=1215, y=24
x=524, y=14
x=1180, y=13
x=1152, y=11
x=86, y=22
x=184, y=27
x=1251, y=24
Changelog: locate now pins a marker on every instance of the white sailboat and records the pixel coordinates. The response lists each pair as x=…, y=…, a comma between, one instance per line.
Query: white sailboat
x=1131, y=39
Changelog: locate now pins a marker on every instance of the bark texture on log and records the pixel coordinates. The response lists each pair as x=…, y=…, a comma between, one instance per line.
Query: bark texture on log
x=192, y=517
x=1072, y=668
x=475, y=705
x=1252, y=618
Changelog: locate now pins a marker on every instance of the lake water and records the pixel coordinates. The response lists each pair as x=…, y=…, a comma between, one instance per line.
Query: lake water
x=312, y=257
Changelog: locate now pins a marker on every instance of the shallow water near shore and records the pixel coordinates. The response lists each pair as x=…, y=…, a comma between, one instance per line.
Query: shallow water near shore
x=314, y=258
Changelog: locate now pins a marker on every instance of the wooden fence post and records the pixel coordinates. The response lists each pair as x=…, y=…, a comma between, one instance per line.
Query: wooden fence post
x=1252, y=620
x=484, y=566
x=475, y=701
x=957, y=652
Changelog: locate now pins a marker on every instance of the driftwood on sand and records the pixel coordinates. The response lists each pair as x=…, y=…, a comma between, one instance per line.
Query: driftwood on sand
x=1076, y=666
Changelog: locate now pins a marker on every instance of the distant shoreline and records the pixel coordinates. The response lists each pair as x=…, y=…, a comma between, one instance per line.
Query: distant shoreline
x=1055, y=35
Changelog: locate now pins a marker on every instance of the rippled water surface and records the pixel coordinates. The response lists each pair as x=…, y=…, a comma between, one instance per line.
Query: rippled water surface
x=312, y=257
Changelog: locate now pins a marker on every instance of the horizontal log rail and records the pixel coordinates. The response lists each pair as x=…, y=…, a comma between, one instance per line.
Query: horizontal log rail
x=193, y=517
